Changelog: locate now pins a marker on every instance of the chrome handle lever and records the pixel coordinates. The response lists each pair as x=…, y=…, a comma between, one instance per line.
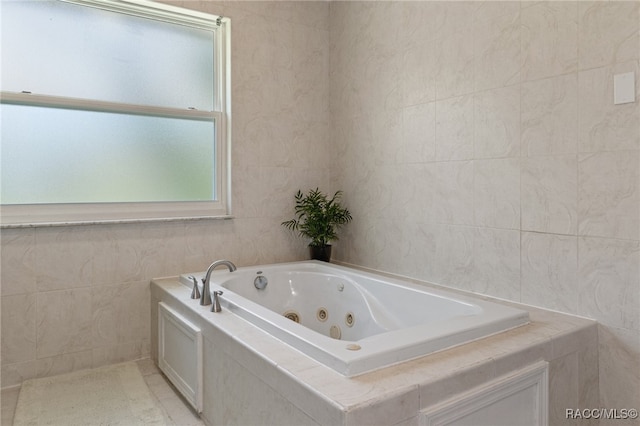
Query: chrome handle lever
x=216, y=302
x=195, y=293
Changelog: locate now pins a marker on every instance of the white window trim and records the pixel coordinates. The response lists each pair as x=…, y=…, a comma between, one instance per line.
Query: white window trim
x=91, y=213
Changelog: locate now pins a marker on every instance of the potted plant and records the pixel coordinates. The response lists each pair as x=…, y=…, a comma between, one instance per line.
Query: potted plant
x=318, y=218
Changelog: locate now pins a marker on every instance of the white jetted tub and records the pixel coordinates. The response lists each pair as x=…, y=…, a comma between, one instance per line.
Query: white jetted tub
x=354, y=321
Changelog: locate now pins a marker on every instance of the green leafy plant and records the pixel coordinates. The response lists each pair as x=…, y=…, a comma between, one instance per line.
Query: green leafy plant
x=318, y=217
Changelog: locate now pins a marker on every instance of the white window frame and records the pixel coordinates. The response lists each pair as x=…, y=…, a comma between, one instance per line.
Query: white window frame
x=63, y=214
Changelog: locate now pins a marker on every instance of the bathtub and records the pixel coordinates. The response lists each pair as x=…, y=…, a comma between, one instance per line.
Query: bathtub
x=354, y=321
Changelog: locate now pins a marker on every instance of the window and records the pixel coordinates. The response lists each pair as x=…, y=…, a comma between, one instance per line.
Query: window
x=113, y=110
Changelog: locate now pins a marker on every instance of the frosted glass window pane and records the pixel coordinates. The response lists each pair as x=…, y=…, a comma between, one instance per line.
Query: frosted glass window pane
x=54, y=155
x=56, y=48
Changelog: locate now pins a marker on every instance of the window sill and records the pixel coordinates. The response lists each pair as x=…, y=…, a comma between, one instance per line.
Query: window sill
x=19, y=216
x=44, y=224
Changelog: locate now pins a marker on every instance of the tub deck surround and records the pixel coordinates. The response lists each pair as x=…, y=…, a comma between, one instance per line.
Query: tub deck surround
x=354, y=321
x=241, y=361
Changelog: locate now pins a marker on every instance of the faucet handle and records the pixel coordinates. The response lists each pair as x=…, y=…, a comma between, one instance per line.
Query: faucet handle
x=195, y=293
x=216, y=301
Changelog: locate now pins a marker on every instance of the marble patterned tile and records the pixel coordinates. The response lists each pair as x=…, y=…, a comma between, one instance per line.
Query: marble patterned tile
x=619, y=358
x=492, y=9
x=497, y=123
x=549, y=120
x=454, y=128
x=604, y=126
x=455, y=66
x=563, y=389
x=421, y=195
x=147, y=367
x=64, y=363
x=496, y=195
x=16, y=373
x=610, y=281
x=309, y=144
x=453, y=262
x=278, y=187
x=385, y=145
x=120, y=313
x=419, y=23
x=277, y=143
x=206, y=241
x=550, y=271
x=9, y=403
x=454, y=192
x=419, y=237
x=608, y=33
x=497, y=51
x=63, y=321
x=549, y=194
x=588, y=378
x=549, y=39
x=63, y=258
x=469, y=377
x=18, y=328
x=390, y=409
x=311, y=13
x=18, y=273
x=496, y=263
x=418, y=73
x=423, y=21
x=419, y=133
x=136, y=252
x=609, y=195
x=378, y=84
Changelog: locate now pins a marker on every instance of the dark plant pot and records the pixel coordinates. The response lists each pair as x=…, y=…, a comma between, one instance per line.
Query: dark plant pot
x=321, y=252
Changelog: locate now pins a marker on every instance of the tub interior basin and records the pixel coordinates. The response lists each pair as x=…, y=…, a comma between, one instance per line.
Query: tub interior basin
x=355, y=321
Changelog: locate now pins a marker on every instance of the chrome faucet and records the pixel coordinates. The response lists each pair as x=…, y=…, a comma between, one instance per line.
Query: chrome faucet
x=205, y=298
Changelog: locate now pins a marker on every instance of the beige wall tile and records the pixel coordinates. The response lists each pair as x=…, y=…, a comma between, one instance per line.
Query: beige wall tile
x=496, y=263
x=454, y=128
x=563, y=389
x=549, y=39
x=63, y=321
x=497, y=193
x=454, y=192
x=610, y=281
x=497, y=51
x=604, y=126
x=324, y=86
x=18, y=261
x=63, y=258
x=549, y=271
x=453, y=263
x=497, y=123
x=549, y=120
x=608, y=194
x=418, y=73
x=549, y=194
x=455, y=64
x=608, y=33
x=620, y=387
x=120, y=313
x=419, y=133
x=18, y=328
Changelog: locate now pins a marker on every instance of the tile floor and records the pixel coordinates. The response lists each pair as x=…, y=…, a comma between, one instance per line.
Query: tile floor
x=177, y=412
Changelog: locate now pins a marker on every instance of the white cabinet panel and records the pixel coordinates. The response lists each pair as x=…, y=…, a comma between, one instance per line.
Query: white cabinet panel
x=518, y=399
x=180, y=354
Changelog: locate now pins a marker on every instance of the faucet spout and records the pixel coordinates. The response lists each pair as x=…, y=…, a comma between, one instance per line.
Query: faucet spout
x=205, y=297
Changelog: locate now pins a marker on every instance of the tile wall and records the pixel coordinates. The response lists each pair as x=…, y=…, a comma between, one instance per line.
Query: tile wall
x=77, y=297
x=479, y=148
x=476, y=143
